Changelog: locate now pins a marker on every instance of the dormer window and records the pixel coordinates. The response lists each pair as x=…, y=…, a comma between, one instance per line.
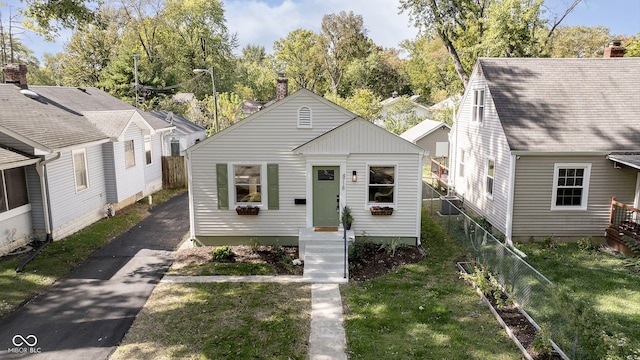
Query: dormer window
x=304, y=117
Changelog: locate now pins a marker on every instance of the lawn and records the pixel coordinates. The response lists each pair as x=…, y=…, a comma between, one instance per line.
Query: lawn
x=221, y=321
x=59, y=258
x=598, y=294
x=423, y=311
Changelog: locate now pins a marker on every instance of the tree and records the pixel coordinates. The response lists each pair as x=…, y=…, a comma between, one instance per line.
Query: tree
x=363, y=103
x=578, y=41
x=256, y=77
x=48, y=17
x=297, y=55
x=381, y=72
x=401, y=116
x=342, y=40
x=430, y=69
x=633, y=46
x=468, y=28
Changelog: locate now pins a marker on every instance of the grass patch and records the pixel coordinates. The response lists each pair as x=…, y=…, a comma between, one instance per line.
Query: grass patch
x=423, y=311
x=221, y=321
x=599, y=287
x=59, y=258
x=226, y=269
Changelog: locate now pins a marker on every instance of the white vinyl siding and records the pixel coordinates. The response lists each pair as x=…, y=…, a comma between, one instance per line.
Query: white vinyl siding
x=481, y=143
x=280, y=122
x=72, y=210
x=570, y=186
x=80, y=169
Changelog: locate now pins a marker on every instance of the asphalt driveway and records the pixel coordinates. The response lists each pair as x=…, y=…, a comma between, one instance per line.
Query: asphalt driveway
x=86, y=314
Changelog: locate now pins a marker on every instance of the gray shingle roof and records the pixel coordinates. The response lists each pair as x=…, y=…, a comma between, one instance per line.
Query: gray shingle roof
x=424, y=128
x=632, y=160
x=566, y=105
x=182, y=124
x=8, y=156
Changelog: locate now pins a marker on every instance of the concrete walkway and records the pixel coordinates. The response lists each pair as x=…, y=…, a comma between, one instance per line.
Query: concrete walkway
x=327, y=340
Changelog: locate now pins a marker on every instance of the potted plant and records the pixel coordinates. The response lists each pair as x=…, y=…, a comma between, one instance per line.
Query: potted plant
x=347, y=217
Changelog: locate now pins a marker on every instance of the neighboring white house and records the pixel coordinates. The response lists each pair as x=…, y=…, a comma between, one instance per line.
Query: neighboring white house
x=433, y=136
x=537, y=145
x=184, y=135
x=300, y=161
x=67, y=155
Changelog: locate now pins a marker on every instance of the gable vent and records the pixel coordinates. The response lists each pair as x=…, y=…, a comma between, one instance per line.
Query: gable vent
x=304, y=117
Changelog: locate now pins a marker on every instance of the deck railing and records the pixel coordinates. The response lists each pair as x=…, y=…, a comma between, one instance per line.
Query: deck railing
x=624, y=221
x=440, y=171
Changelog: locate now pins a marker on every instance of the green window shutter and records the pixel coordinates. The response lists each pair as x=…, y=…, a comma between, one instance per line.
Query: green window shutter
x=273, y=187
x=223, y=186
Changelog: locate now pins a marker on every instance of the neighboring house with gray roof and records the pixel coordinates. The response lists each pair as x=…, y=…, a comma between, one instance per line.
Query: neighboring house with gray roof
x=431, y=135
x=540, y=146
x=184, y=135
x=68, y=154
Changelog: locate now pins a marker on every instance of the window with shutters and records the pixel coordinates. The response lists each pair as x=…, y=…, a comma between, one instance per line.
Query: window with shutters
x=247, y=181
x=304, y=117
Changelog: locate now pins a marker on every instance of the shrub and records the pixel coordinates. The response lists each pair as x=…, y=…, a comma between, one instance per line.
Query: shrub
x=223, y=253
x=392, y=246
x=360, y=246
x=549, y=243
x=587, y=245
x=254, y=246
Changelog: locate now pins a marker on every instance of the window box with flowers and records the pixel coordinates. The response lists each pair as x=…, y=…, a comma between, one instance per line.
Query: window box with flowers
x=381, y=210
x=247, y=210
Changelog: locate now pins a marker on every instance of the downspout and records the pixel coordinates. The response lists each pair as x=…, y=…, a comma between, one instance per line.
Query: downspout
x=41, y=170
x=419, y=212
x=512, y=185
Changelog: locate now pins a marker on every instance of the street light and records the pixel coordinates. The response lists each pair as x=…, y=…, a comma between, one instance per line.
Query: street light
x=213, y=86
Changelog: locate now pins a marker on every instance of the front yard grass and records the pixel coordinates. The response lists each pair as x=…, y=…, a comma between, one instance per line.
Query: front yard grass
x=607, y=291
x=423, y=311
x=221, y=321
x=60, y=257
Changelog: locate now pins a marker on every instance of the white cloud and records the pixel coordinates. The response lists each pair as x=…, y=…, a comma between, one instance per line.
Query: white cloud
x=261, y=22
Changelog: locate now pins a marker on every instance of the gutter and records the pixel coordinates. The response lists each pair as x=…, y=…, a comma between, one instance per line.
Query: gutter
x=41, y=170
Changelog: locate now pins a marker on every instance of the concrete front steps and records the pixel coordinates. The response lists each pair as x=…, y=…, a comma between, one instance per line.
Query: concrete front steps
x=324, y=256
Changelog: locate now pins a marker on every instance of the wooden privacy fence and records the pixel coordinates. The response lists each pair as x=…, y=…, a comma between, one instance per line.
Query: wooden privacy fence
x=174, y=172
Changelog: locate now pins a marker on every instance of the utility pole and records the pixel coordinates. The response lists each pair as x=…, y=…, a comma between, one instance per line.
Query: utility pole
x=135, y=72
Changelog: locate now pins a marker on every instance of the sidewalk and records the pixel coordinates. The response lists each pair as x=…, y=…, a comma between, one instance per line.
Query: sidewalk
x=327, y=340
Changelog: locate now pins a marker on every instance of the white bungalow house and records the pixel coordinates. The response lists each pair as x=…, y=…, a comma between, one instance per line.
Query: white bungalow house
x=541, y=146
x=67, y=155
x=294, y=165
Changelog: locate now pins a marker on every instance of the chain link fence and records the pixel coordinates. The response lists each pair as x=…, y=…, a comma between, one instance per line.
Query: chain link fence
x=531, y=291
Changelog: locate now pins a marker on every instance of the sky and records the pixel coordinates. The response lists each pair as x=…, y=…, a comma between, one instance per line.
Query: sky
x=261, y=22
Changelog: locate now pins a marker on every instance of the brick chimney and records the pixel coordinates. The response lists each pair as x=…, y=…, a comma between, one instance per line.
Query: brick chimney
x=615, y=49
x=15, y=74
x=282, y=87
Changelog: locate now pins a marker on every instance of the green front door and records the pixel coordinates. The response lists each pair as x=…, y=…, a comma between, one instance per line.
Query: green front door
x=326, y=195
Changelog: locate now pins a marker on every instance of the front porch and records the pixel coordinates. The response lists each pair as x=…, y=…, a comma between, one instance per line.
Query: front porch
x=624, y=227
x=325, y=254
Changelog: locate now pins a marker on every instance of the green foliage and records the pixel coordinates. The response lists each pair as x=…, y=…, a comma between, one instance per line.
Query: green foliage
x=47, y=18
x=632, y=244
x=578, y=42
x=360, y=247
x=363, y=103
x=542, y=343
x=633, y=46
x=223, y=253
x=486, y=282
x=347, y=216
x=299, y=56
x=392, y=246
x=254, y=246
x=549, y=242
x=586, y=244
